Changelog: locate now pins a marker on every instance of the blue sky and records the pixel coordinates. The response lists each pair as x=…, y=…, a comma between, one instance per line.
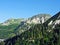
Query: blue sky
x=27, y=8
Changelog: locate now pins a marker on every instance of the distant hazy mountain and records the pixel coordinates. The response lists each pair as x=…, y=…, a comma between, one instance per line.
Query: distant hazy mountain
x=39, y=34
x=12, y=21
x=7, y=28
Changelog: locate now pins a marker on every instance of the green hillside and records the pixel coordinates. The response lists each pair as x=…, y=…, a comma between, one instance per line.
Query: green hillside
x=38, y=34
x=7, y=28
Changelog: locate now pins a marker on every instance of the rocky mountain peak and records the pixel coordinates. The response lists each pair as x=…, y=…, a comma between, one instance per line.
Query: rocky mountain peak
x=40, y=18
x=54, y=20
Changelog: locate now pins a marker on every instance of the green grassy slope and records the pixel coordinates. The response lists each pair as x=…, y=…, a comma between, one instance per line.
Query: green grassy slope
x=7, y=31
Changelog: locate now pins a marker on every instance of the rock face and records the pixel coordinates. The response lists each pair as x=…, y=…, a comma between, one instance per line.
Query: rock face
x=1, y=40
x=53, y=20
x=38, y=19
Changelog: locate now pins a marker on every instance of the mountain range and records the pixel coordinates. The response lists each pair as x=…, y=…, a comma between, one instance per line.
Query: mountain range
x=12, y=27
x=41, y=29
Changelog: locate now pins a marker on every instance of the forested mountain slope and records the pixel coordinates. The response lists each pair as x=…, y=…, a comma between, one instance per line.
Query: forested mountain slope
x=13, y=27
x=39, y=34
